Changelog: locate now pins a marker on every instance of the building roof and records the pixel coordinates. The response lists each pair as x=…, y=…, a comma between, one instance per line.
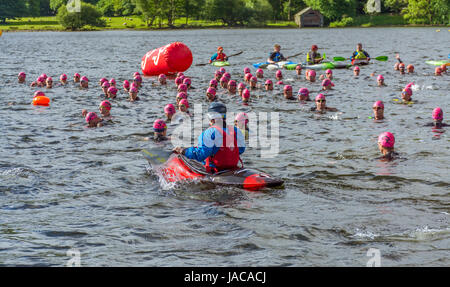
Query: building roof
x=307, y=9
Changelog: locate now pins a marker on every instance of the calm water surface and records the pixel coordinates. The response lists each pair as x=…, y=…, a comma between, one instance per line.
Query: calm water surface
x=63, y=186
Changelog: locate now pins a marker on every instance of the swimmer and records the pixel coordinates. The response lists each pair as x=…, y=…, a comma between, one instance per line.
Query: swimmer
x=386, y=143
x=178, y=81
x=183, y=106
x=126, y=86
x=247, y=70
x=253, y=82
x=181, y=96
x=380, y=81
x=138, y=81
x=160, y=131
x=247, y=77
x=93, y=120
x=224, y=82
x=268, y=85
x=328, y=75
x=438, y=117
x=260, y=73
x=410, y=69
x=49, y=82
x=217, y=75
x=245, y=96
x=438, y=71
x=444, y=68
x=133, y=95
x=102, y=80
x=401, y=68
x=310, y=75
x=105, y=88
x=241, y=88
x=38, y=94
x=321, y=105
x=112, y=92
x=33, y=84
x=303, y=94
x=213, y=84
x=182, y=88
x=407, y=95
x=187, y=82
x=378, y=110
x=112, y=82
x=287, y=92
x=169, y=110
x=162, y=79
x=63, y=79
x=356, y=71
x=76, y=78
x=21, y=77
x=211, y=94
x=327, y=85
x=241, y=122
x=278, y=75
x=84, y=82
x=180, y=74
x=105, y=110
x=232, y=87
x=136, y=74
x=227, y=75
x=298, y=70
x=280, y=83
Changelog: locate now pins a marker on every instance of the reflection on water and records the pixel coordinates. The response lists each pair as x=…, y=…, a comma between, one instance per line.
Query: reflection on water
x=64, y=186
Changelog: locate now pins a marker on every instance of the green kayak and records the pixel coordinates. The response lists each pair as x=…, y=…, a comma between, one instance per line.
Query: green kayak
x=321, y=66
x=220, y=63
x=437, y=63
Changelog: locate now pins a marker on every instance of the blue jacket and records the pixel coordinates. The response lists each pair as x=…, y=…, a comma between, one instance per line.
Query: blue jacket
x=207, y=144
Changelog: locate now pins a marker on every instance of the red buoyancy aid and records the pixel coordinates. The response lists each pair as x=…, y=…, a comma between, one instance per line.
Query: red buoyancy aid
x=227, y=157
x=221, y=57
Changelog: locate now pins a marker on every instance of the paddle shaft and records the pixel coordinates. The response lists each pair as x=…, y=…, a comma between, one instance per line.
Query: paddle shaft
x=227, y=57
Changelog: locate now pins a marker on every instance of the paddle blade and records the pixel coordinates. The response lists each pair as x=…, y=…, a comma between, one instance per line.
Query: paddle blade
x=156, y=156
x=337, y=59
x=381, y=58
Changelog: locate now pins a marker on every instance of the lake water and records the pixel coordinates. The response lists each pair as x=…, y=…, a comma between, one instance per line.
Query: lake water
x=65, y=187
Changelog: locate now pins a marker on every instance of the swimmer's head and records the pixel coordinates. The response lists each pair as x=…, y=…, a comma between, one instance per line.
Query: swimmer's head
x=329, y=72
x=21, y=76
x=227, y=75
x=126, y=84
x=182, y=88
x=241, y=120
x=410, y=68
x=248, y=76
x=386, y=140
x=303, y=94
x=444, y=67
x=438, y=114
x=181, y=96
x=90, y=117
x=38, y=94
x=106, y=104
x=213, y=83
x=327, y=84
x=278, y=74
x=136, y=74
x=105, y=85
x=133, y=90
x=378, y=104
x=159, y=126
x=112, y=82
x=438, y=71
x=241, y=86
x=169, y=109
x=396, y=66
x=63, y=77
x=247, y=70
x=180, y=74
x=178, y=81
x=245, y=95
x=222, y=70
x=102, y=80
x=185, y=103
x=112, y=90
x=187, y=81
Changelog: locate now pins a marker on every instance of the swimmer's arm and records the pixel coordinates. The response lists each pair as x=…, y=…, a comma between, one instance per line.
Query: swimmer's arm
x=398, y=58
x=332, y=109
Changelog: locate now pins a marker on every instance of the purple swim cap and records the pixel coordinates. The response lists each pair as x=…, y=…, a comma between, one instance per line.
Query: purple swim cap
x=303, y=91
x=182, y=95
x=232, y=83
x=187, y=81
x=213, y=82
x=287, y=88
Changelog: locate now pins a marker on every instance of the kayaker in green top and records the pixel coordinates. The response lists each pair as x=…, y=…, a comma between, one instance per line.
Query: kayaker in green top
x=360, y=54
x=314, y=57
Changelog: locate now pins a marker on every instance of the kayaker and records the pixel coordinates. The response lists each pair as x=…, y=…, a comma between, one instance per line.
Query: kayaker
x=220, y=146
x=438, y=117
x=360, y=54
x=276, y=56
x=314, y=57
x=219, y=56
x=321, y=105
x=378, y=110
x=386, y=143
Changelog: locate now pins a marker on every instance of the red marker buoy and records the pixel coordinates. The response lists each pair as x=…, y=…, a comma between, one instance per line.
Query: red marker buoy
x=168, y=60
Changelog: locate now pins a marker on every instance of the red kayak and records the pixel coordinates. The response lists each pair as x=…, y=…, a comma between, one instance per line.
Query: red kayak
x=360, y=62
x=179, y=168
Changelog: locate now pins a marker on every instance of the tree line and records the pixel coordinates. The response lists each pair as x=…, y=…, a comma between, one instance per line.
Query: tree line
x=228, y=12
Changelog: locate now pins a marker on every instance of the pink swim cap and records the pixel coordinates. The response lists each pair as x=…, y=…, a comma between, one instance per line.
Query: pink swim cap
x=182, y=95
x=184, y=102
x=22, y=75
x=38, y=94
x=253, y=79
x=162, y=76
x=63, y=77
x=378, y=104
x=227, y=75
x=213, y=82
x=159, y=126
x=136, y=74
x=137, y=79
x=133, y=90
x=40, y=79
x=278, y=73
x=438, y=114
x=327, y=82
x=90, y=116
x=134, y=85
x=329, y=71
x=303, y=91
x=241, y=86
x=84, y=79
x=312, y=73
x=211, y=91
x=380, y=77
x=298, y=67
x=182, y=88
x=49, y=79
x=178, y=81
x=356, y=68
x=222, y=70
x=44, y=76
x=247, y=70
x=179, y=74
x=112, y=82
x=187, y=81
x=268, y=82
x=126, y=84
x=260, y=71
x=320, y=97
x=169, y=109
x=287, y=88
x=386, y=139
x=232, y=83
x=218, y=73
x=248, y=76
x=102, y=80
x=409, y=85
x=112, y=90
x=280, y=83
x=246, y=94
x=105, y=85
x=106, y=104
x=76, y=75
x=224, y=79
x=241, y=117
x=407, y=91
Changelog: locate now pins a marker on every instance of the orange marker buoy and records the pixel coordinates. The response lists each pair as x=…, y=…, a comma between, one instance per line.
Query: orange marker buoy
x=41, y=101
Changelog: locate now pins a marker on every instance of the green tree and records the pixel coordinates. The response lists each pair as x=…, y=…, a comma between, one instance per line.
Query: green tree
x=11, y=9
x=334, y=9
x=291, y=7
x=44, y=8
x=106, y=7
x=394, y=6
x=428, y=12
x=89, y=15
x=34, y=8
x=149, y=10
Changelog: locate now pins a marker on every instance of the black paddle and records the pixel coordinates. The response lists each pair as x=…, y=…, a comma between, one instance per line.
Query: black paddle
x=227, y=56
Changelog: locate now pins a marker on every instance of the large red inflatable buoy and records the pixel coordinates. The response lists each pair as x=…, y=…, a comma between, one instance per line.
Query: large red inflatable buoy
x=170, y=59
